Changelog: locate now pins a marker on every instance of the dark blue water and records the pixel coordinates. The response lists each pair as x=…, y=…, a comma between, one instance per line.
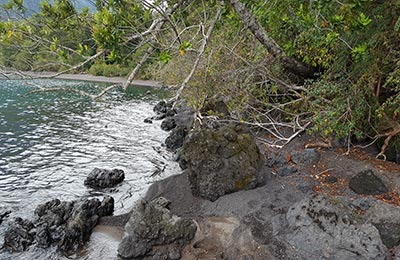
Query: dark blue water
x=49, y=142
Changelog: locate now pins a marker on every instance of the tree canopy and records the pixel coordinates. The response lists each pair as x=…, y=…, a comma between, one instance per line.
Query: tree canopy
x=331, y=66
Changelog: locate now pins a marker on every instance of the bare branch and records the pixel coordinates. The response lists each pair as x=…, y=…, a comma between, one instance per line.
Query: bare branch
x=79, y=65
x=200, y=54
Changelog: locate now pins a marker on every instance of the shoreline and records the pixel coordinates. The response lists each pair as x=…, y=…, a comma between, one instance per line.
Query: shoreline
x=84, y=77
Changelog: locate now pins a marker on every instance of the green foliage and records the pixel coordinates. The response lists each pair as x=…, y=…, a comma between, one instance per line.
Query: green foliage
x=108, y=70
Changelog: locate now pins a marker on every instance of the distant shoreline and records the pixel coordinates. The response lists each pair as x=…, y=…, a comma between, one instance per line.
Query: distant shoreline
x=84, y=77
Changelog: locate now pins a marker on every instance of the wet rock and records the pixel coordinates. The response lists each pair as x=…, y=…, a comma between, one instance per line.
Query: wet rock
x=222, y=161
x=180, y=124
x=19, y=236
x=66, y=225
x=4, y=214
x=163, y=109
x=326, y=226
x=366, y=182
x=168, y=124
x=102, y=178
x=307, y=156
x=176, y=138
x=153, y=232
x=148, y=120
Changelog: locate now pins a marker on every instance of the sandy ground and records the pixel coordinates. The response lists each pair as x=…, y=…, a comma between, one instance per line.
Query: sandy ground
x=82, y=77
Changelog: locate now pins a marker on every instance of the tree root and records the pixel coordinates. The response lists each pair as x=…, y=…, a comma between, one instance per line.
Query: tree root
x=389, y=136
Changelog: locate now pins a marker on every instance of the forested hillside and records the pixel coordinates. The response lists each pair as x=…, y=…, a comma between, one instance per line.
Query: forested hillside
x=330, y=67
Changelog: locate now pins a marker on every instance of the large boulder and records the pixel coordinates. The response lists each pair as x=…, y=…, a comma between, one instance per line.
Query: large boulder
x=327, y=226
x=153, y=232
x=103, y=178
x=66, y=225
x=222, y=161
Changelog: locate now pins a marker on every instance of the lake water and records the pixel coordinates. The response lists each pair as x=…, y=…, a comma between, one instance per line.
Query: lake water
x=49, y=143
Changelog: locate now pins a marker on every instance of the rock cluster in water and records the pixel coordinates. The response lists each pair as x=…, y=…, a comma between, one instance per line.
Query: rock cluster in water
x=66, y=225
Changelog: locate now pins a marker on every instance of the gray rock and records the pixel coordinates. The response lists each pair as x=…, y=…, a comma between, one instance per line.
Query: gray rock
x=286, y=171
x=66, y=225
x=19, y=236
x=307, y=156
x=168, y=124
x=153, y=232
x=363, y=203
x=4, y=214
x=366, y=182
x=180, y=123
x=274, y=159
x=326, y=226
x=162, y=107
x=103, y=178
x=176, y=138
x=148, y=121
x=386, y=218
x=222, y=161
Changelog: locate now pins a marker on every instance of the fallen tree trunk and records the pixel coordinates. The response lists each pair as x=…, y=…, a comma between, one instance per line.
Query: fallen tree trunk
x=289, y=63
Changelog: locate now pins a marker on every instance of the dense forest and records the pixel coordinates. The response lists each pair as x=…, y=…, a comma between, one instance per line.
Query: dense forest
x=326, y=66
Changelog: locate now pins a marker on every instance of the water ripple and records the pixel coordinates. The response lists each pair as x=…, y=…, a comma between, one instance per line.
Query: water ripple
x=49, y=143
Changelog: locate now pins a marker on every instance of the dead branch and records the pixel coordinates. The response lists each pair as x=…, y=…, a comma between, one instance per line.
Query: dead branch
x=203, y=46
x=68, y=89
x=56, y=89
x=79, y=65
x=146, y=56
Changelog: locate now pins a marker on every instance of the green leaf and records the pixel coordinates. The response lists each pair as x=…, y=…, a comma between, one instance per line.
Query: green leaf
x=165, y=57
x=363, y=20
x=359, y=51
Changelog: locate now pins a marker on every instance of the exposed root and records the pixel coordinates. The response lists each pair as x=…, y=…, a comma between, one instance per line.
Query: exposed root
x=389, y=136
x=319, y=145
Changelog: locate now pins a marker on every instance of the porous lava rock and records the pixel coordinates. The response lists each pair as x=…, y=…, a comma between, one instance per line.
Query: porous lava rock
x=221, y=161
x=103, y=178
x=64, y=224
x=154, y=233
x=326, y=226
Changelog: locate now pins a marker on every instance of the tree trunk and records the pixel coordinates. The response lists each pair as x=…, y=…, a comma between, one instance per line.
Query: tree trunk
x=289, y=63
